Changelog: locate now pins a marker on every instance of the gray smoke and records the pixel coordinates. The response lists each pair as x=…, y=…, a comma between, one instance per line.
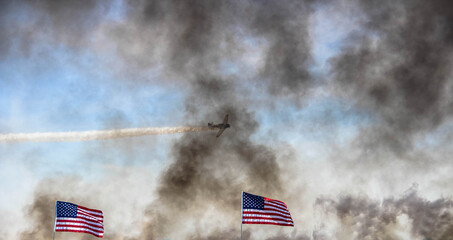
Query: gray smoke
x=41, y=213
x=5, y=41
x=371, y=219
x=222, y=234
x=69, y=23
x=399, y=69
x=196, y=37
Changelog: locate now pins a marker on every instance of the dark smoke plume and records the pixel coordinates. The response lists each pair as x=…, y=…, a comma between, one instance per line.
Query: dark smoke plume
x=213, y=172
x=41, y=213
x=289, y=55
x=400, y=68
x=198, y=36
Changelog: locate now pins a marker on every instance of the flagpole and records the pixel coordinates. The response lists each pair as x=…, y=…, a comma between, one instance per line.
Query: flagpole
x=242, y=210
x=54, y=220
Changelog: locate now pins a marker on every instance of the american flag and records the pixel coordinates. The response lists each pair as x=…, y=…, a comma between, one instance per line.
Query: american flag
x=70, y=217
x=262, y=210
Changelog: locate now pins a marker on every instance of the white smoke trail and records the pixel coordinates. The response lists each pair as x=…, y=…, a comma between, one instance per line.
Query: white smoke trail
x=95, y=135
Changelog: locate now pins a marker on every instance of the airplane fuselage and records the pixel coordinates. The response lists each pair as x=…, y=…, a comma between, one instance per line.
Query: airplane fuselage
x=219, y=126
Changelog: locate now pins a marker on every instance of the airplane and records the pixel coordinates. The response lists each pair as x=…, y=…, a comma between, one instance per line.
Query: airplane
x=220, y=126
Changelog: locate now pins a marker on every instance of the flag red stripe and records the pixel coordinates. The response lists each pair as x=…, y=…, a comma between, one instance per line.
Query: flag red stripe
x=267, y=220
x=276, y=205
x=274, y=200
x=90, y=215
x=64, y=222
x=81, y=220
x=80, y=227
x=275, y=210
x=266, y=213
x=251, y=216
x=89, y=218
x=270, y=218
x=282, y=205
x=267, y=208
x=80, y=231
x=257, y=214
x=280, y=224
x=94, y=214
x=89, y=209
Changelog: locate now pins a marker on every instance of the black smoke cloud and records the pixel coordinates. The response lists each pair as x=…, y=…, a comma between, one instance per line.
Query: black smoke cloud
x=399, y=69
x=370, y=219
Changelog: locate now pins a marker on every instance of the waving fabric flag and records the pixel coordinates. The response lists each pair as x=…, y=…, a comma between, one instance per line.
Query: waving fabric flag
x=70, y=217
x=262, y=210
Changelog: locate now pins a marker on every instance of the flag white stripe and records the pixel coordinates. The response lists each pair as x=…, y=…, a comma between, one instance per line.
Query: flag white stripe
x=266, y=211
x=278, y=209
x=89, y=218
x=266, y=220
x=267, y=216
x=276, y=205
x=79, y=229
x=81, y=220
x=274, y=201
x=83, y=215
x=62, y=224
x=94, y=214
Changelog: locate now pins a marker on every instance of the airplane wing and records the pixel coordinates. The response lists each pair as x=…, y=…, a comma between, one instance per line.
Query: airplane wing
x=220, y=132
x=225, y=120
